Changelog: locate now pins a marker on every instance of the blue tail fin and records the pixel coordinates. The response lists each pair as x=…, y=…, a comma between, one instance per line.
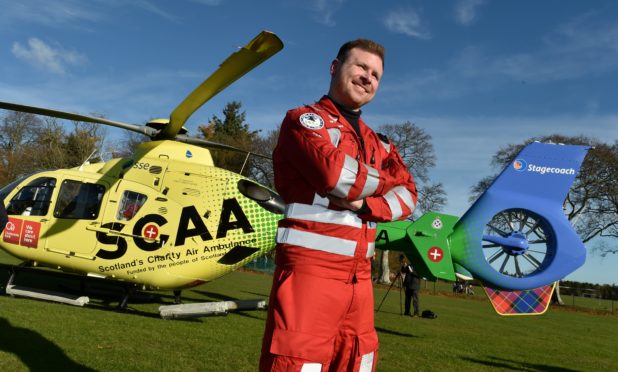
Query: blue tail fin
x=498, y=236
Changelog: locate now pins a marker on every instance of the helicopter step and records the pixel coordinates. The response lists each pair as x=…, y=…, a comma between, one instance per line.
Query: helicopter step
x=41, y=294
x=196, y=310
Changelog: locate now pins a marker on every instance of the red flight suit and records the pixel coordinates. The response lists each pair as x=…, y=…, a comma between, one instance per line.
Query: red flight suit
x=320, y=315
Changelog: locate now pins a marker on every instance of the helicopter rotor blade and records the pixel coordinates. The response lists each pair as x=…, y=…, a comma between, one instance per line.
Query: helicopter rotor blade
x=150, y=132
x=262, y=47
x=214, y=145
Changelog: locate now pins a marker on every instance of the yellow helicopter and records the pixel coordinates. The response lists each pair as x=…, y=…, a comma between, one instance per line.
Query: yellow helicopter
x=164, y=218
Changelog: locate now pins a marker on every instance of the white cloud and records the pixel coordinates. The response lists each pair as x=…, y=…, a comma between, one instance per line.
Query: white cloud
x=466, y=11
x=406, y=22
x=325, y=10
x=43, y=56
x=148, y=6
x=47, y=12
x=74, y=13
x=577, y=49
x=583, y=48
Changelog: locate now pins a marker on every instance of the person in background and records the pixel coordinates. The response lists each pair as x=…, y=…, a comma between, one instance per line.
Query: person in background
x=338, y=178
x=412, y=287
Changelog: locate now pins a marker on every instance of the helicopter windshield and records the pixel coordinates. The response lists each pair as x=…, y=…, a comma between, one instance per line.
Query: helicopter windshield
x=6, y=190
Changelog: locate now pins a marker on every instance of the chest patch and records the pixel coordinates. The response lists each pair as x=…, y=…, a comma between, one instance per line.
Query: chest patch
x=311, y=120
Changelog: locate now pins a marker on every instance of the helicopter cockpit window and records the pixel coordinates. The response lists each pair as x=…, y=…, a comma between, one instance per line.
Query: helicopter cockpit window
x=130, y=204
x=33, y=199
x=77, y=200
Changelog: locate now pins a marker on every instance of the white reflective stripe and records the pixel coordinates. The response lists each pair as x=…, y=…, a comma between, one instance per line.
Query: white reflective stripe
x=372, y=225
x=372, y=182
x=405, y=195
x=347, y=177
x=311, y=367
x=318, y=200
x=386, y=145
x=318, y=213
x=335, y=136
x=316, y=241
x=393, y=204
x=371, y=247
x=366, y=363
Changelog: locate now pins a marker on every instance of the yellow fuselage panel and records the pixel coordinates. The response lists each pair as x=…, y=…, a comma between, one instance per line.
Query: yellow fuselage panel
x=194, y=227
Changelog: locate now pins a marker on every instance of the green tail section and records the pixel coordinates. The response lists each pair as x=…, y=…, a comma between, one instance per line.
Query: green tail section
x=425, y=243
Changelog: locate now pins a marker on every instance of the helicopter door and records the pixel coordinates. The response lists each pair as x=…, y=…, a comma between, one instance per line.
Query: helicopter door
x=126, y=205
x=77, y=208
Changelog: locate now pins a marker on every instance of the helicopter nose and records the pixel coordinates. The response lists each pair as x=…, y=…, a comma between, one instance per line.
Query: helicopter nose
x=266, y=198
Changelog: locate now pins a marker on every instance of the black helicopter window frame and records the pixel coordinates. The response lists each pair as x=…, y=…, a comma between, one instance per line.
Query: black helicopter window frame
x=33, y=199
x=79, y=200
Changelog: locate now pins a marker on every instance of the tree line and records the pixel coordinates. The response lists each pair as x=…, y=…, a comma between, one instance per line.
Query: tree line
x=29, y=143
x=603, y=291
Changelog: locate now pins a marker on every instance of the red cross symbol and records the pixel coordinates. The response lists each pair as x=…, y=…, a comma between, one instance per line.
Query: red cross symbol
x=151, y=231
x=435, y=254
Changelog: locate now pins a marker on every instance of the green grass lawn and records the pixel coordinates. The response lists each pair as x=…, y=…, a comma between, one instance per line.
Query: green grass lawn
x=466, y=336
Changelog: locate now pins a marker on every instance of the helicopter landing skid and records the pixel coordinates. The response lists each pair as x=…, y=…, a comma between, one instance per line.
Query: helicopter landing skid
x=47, y=294
x=38, y=293
x=196, y=310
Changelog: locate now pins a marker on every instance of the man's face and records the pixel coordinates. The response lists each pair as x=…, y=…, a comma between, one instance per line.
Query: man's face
x=354, y=82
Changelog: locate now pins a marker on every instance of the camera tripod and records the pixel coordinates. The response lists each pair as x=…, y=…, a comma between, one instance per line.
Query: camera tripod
x=398, y=279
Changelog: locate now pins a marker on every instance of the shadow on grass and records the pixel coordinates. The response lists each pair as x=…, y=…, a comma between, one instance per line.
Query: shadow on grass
x=258, y=294
x=34, y=350
x=516, y=365
x=216, y=296
x=389, y=312
x=394, y=333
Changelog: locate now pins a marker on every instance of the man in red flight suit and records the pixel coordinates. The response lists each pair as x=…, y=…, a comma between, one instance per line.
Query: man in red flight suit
x=338, y=178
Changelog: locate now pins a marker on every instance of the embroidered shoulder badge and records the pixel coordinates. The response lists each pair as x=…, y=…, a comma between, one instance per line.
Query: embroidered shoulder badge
x=311, y=120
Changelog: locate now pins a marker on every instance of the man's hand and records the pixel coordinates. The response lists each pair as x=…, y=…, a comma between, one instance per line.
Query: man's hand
x=342, y=203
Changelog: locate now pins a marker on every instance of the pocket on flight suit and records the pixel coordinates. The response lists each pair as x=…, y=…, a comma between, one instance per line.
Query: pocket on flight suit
x=290, y=315
x=367, y=350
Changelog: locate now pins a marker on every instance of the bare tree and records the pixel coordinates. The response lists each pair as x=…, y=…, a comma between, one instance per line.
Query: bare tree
x=261, y=169
x=18, y=143
x=82, y=142
x=417, y=151
x=30, y=144
x=49, y=141
x=128, y=145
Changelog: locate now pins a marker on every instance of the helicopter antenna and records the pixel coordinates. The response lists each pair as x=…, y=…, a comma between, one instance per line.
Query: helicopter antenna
x=86, y=162
x=245, y=162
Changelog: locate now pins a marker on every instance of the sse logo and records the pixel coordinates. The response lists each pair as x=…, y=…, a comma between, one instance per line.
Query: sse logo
x=520, y=165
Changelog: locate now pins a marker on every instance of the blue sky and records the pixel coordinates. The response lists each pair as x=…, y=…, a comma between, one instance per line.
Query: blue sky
x=475, y=74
